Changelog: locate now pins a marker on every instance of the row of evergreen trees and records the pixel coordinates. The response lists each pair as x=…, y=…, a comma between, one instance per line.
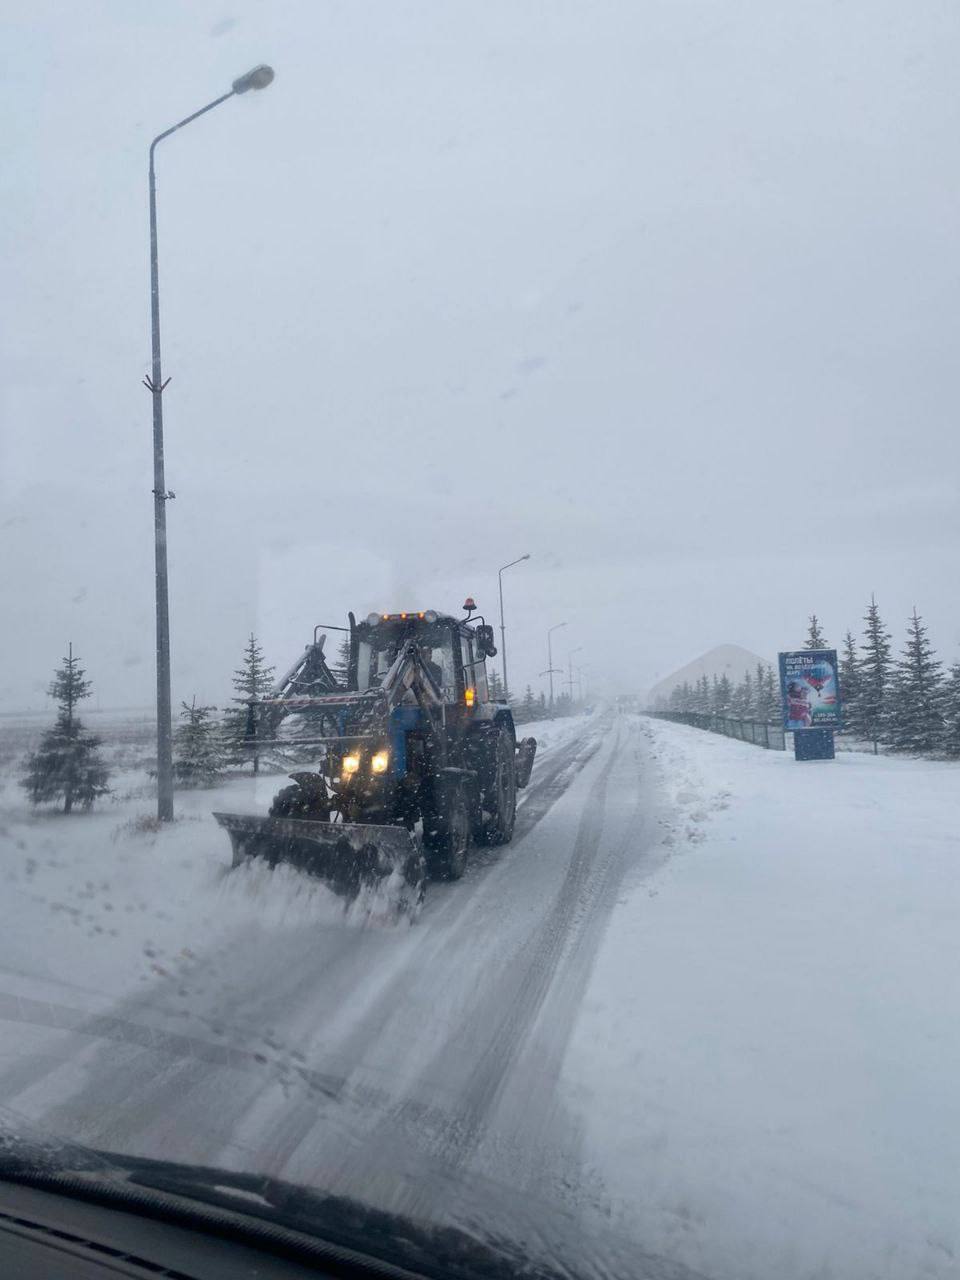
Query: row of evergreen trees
x=68, y=768
x=906, y=703
x=756, y=697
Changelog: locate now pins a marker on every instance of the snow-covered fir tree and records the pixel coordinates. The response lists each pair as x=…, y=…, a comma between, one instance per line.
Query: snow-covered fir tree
x=849, y=684
x=914, y=717
x=951, y=713
x=340, y=667
x=815, y=637
x=767, y=702
x=67, y=765
x=714, y=695
x=252, y=680
x=494, y=684
x=198, y=760
x=742, y=701
x=874, y=676
x=702, y=700
x=528, y=704
x=724, y=692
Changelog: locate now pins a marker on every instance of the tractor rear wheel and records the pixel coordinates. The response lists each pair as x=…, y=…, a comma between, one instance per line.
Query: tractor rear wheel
x=446, y=831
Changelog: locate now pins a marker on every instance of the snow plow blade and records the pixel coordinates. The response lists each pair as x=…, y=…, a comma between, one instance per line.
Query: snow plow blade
x=382, y=863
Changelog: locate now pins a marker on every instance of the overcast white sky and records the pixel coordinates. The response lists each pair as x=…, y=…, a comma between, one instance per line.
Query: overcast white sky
x=664, y=293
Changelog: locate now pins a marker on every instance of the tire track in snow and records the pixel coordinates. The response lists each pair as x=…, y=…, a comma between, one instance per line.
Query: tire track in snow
x=511, y=1007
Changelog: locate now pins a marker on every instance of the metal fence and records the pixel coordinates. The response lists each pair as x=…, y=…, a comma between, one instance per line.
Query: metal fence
x=758, y=732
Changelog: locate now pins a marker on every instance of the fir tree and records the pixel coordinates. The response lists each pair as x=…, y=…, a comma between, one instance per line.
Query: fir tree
x=849, y=684
x=715, y=707
x=774, y=702
x=915, y=722
x=252, y=680
x=747, y=697
x=764, y=694
x=815, y=638
x=199, y=758
x=341, y=668
x=874, y=676
x=67, y=763
x=951, y=713
x=724, y=695
x=494, y=685
x=699, y=702
x=528, y=705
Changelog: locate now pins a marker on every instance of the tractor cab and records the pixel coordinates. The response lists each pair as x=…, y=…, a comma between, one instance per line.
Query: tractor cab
x=453, y=652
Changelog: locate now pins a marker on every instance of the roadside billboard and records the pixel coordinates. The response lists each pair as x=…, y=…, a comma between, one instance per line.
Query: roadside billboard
x=810, y=689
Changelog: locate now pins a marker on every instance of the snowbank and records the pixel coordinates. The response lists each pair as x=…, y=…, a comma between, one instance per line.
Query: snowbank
x=768, y=1057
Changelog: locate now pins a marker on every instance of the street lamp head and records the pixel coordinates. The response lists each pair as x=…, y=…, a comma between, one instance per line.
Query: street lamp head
x=258, y=78
x=525, y=557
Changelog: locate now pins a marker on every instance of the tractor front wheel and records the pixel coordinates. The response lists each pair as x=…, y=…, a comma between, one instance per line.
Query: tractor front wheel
x=446, y=831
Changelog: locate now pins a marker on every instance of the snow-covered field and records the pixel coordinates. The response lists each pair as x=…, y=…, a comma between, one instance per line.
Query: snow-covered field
x=768, y=1058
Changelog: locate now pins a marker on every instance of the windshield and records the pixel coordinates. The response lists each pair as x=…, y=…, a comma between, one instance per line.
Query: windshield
x=377, y=650
x=612, y=346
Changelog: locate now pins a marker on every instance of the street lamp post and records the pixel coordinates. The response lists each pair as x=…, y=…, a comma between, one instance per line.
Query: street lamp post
x=258, y=78
x=503, y=629
x=550, y=632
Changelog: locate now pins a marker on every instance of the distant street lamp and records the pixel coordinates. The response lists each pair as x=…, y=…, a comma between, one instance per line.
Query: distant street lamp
x=550, y=632
x=580, y=671
x=258, y=78
x=503, y=629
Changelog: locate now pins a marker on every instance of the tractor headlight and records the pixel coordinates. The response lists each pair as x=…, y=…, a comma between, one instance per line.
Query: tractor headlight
x=350, y=764
x=380, y=762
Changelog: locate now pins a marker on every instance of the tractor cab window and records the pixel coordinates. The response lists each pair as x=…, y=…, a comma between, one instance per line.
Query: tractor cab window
x=437, y=652
x=378, y=651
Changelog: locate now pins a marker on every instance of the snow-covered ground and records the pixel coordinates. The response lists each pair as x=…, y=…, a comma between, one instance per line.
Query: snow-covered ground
x=707, y=1001
x=768, y=1058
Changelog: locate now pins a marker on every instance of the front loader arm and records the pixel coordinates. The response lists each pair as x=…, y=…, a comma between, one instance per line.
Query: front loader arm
x=409, y=674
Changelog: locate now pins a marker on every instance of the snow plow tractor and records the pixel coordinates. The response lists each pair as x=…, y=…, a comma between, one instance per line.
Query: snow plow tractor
x=413, y=760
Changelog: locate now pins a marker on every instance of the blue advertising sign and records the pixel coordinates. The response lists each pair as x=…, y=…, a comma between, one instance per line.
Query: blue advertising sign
x=810, y=689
